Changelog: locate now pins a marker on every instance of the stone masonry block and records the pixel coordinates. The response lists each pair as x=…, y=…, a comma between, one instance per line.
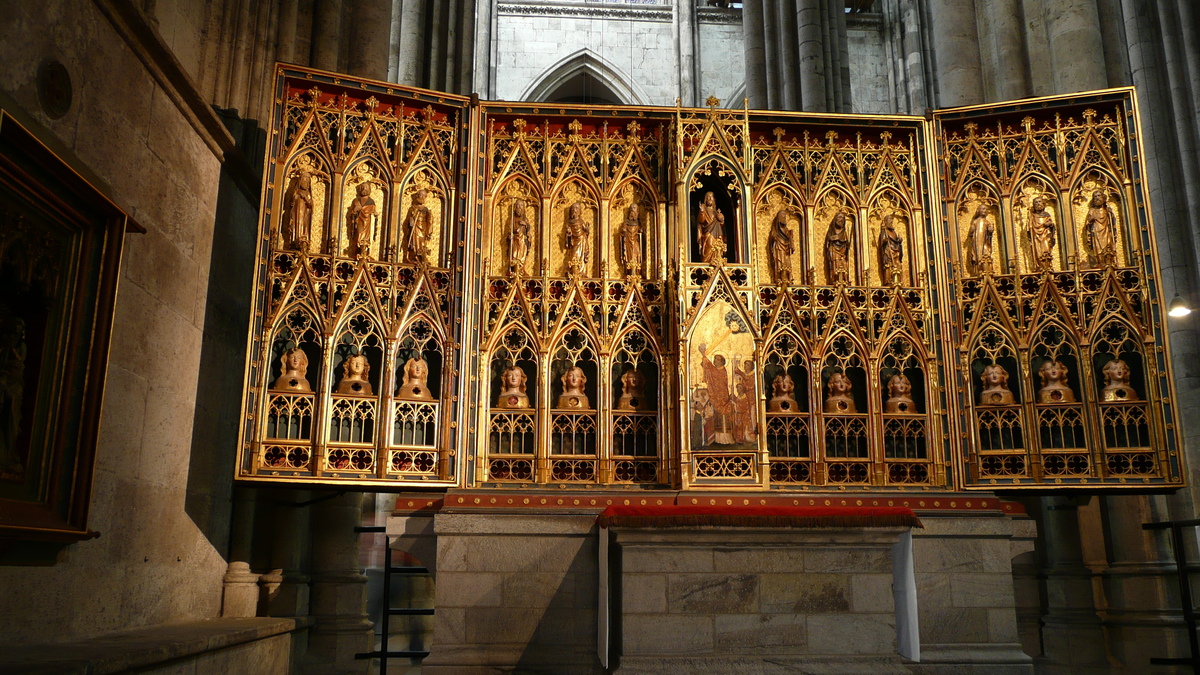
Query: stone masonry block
x=759, y=633
x=805, y=593
x=872, y=593
x=475, y=589
x=666, y=559
x=982, y=590
x=666, y=634
x=644, y=594
x=493, y=625
x=952, y=624
x=758, y=559
x=712, y=593
x=852, y=634
x=834, y=559
x=538, y=589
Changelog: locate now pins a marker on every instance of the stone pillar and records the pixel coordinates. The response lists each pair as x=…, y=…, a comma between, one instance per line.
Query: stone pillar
x=957, y=72
x=1112, y=36
x=685, y=50
x=411, y=44
x=327, y=33
x=285, y=588
x=239, y=597
x=369, y=24
x=1002, y=49
x=483, y=49
x=1037, y=48
x=755, y=54
x=910, y=71
x=811, y=63
x=1071, y=628
x=785, y=16
x=1144, y=617
x=771, y=42
x=1073, y=28
x=341, y=628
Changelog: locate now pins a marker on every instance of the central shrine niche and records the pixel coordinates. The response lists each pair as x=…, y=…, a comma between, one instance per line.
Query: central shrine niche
x=497, y=294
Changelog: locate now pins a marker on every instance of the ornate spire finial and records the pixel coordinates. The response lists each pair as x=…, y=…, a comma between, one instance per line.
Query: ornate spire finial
x=779, y=133
x=712, y=101
x=831, y=136
x=575, y=126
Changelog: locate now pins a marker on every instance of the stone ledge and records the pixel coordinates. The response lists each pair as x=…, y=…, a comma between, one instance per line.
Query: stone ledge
x=145, y=647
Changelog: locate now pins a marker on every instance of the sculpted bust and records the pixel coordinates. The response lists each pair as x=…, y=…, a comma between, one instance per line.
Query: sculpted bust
x=416, y=380
x=783, y=395
x=355, y=370
x=294, y=367
x=632, y=384
x=1054, y=384
x=512, y=389
x=899, y=395
x=839, y=400
x=573, y=396
x=995, y=386
x=1116, y=382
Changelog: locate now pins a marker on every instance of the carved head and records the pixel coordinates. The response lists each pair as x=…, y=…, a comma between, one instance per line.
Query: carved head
x=364, y=189
x=633, y=212
x=576, y=210
x=633, y=379
x=839, y=218
x=981, y=211
x=1039, y=204
x=294, y=361
x=1052, y=372
x=782, y=385
x=1116, y=372
x=838, y=385
x=305, y=180
x=514, y=378
x=710, y=199
x=416, y=370
x=889, y=222
x=419, y=197
x=899, y=386
x=356, y=367
x=1099, y=199
x=573, y=379
x=995, y=376
x=519, y=208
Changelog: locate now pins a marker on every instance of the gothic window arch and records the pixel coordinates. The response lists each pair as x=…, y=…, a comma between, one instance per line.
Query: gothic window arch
x=585, y=77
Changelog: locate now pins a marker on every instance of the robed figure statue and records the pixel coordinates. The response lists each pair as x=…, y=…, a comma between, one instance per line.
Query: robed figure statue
x=1100, y=227
x=417, y=228
x=837, y=250
x=979, y=243
x=781, y=243
x=518, y=237
x=710, y=229
x=631, y=240
x=1041, y=236
x=891, y=252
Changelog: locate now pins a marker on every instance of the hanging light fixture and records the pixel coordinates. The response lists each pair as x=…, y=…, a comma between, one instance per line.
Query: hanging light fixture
x=1178, y=307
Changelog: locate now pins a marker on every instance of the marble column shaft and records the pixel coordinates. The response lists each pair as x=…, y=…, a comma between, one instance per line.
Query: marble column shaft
x=339, y=590
x=411, y=43
x=956, y=53
x=685, y=46
x=1076, y=52
x=1002, y=49
x=811, y=62
x=327, y=33
x=287, y=584
x=785, y=17
x=755, y=53
x=370, y=21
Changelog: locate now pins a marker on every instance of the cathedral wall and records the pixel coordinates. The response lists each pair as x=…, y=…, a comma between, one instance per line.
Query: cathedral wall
x=870, y=90
x=722, y=61
x=151, y=564
x=529, y=47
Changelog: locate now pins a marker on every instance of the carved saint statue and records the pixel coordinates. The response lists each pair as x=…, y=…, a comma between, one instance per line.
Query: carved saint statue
x=839, y=399
x=1116, y=382
x=891, y=252
x=1100, y=228
x=995, y=386
x=417, y=228
x=415, y=384
x=783, y=395
x=632, y=385
x=710, y=229
x=578, y=240
x=294, y=364
x=1041, y=236
x=899, y=395
x=573, y=396
x=782, y=244
x=1054, y=383
x=298, y=227
x=355, y=370
x=837, y=250
x=631, y=240
x=360, y=222
x=512, y=389
x=979, y=243
x=518, y=238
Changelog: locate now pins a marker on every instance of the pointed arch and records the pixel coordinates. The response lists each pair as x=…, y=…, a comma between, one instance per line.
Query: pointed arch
x=585, y=62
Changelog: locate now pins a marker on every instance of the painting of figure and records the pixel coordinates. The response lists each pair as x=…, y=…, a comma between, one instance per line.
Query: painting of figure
x=722, y=376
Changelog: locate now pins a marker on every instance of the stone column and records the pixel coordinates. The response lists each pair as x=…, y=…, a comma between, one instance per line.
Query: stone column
x=1144, y=615
x=755, y=54
x=1073, y=27
x=341, y=627
x=369, y=24
x=957, y=72
x=411, y=44
x=1112, y=36
x=1071, y=628
x=1002, y=49
x=771, y=42
x=286, y=586
x=789, y=94
x=685, y=46
x=910, y=71
x=1037, y=47
x=811, y=63
x=327, y=33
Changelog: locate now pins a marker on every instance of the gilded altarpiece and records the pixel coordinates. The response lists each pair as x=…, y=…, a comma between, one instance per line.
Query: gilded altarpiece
x=1063, y=373
x=477, y=294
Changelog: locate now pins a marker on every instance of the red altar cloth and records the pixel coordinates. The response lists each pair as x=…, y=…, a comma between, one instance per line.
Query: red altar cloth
x=758, y=516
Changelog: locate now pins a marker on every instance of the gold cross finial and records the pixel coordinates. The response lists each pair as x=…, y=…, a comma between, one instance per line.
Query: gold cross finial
x=712, y=101
x=575, y=126
x=633, y=128
x=427, y=114
x=314, y=95
x=970, y=127
x=779, y=133
x=519, y=126
x=885, y=136
x=1089, y=116
x=831, y=136
x=371, y=103
x=1027, y=122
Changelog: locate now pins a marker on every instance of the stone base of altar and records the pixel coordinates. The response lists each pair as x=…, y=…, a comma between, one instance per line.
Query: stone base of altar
x=522, y=591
